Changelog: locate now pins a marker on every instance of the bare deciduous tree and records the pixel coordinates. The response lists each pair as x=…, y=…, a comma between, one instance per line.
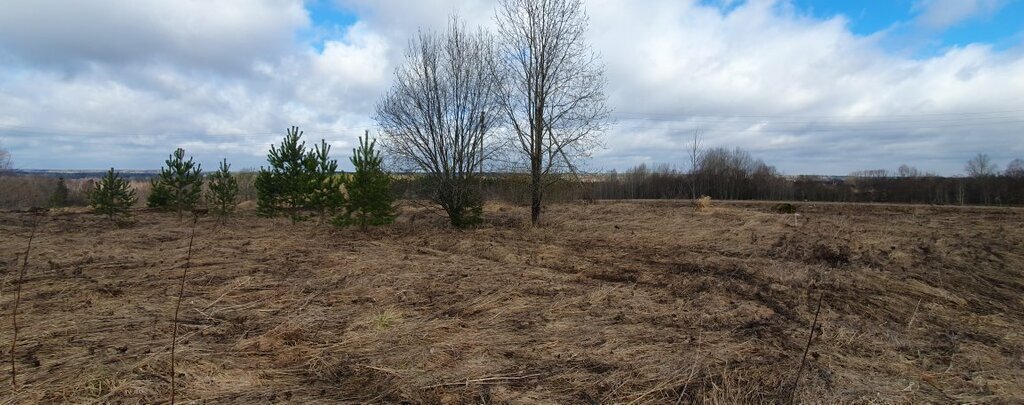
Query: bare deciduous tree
x=5, y=161
x=439, y=115
x=981, y=166
x=908, y=171
x=554, y=94
x=1015, y=169
x=983, y=169
x=694, y=150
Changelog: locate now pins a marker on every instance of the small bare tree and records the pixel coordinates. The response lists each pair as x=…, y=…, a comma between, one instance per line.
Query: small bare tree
x=439, y=115
x=982, y=169
x=695, y=152
x=5, y=161
x=908, y=171
x=1015, y=169
x=981, y=165
x=554, y=97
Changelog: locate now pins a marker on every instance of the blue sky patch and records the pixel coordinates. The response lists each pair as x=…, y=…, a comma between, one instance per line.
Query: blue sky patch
x=328, y=22
x=1001, y=25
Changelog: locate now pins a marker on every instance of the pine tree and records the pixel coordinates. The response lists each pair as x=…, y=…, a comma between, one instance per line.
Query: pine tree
x=298, y=181
x=59, y=198
x=325, y=196
x=112, y=195
x=282, y=187
x=180, y=184
x=159, y=194
x=223, y=194
x=369, y=189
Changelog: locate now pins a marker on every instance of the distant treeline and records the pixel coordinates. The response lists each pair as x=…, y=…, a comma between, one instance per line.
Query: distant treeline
x=87, y=174
x=735, y=175
x=663, y=182
x=720, y=173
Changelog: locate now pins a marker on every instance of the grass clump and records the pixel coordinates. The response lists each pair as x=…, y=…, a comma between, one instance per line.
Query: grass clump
x=785, y=208
x=702, y=204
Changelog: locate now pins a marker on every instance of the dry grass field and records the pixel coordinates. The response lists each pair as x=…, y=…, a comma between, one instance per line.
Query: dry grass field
x=612, y=302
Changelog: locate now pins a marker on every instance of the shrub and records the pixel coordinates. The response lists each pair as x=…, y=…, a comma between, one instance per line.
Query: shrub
x=112, y=196
x=467, y=204
x=159, y=194
x=703, y=203
x=59, y=198
x=223, y=194
x=179, y=186
x=369, y=189
x=785, y=208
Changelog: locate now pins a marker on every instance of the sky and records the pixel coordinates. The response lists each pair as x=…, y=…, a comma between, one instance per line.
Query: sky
x=809, y=86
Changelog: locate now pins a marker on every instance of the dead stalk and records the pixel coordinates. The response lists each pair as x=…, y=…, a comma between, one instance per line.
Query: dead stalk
x=803, y=360
x=17, y=300
x=177, y=308
x=484, y=381
x=914, y=315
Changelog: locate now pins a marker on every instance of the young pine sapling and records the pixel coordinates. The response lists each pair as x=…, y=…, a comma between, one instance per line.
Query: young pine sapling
x=112, y=196
x=369, y=189
x=223, y=194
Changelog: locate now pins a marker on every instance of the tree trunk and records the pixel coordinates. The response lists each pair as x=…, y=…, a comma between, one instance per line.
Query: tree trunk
x=535, y=164
x=535, y=188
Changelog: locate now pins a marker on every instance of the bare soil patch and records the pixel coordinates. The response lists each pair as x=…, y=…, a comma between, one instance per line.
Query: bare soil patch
x=644, y=302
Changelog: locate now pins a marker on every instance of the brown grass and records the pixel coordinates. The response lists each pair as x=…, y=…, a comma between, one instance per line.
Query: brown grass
x=702, y=204
x=27, y=191
x=22, y=192
x=642, y=302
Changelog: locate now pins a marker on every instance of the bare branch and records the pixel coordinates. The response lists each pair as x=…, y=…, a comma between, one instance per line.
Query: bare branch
x=554, y=92
x=441, y=114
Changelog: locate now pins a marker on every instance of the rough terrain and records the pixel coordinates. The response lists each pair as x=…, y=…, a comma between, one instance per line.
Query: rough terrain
x=611, y=302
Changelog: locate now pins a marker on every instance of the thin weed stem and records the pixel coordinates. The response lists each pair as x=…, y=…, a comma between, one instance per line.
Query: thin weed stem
x=177, y=307
x=17, y=300
x=803, y=360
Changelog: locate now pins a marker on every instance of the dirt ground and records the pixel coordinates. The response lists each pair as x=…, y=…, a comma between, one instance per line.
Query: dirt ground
x=610, y=302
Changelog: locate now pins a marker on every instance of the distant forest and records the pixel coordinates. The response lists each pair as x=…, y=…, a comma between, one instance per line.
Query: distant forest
x=734, y=174
x=724, y=174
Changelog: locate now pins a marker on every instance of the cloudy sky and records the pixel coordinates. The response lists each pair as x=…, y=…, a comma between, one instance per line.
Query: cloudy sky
x=809, y=86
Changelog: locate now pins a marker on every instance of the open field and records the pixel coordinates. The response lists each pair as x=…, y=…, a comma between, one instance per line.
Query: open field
x=645, y=302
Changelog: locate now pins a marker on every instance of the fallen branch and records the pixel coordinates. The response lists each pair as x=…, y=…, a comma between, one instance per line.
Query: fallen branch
x=484, y=380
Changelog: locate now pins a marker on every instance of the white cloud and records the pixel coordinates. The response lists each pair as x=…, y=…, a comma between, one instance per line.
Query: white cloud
x=219, y=97
x=123, y=84
x=218, y=34
x=763, y=73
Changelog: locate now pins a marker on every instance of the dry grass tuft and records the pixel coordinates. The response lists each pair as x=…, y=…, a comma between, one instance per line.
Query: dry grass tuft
x=702, y=204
